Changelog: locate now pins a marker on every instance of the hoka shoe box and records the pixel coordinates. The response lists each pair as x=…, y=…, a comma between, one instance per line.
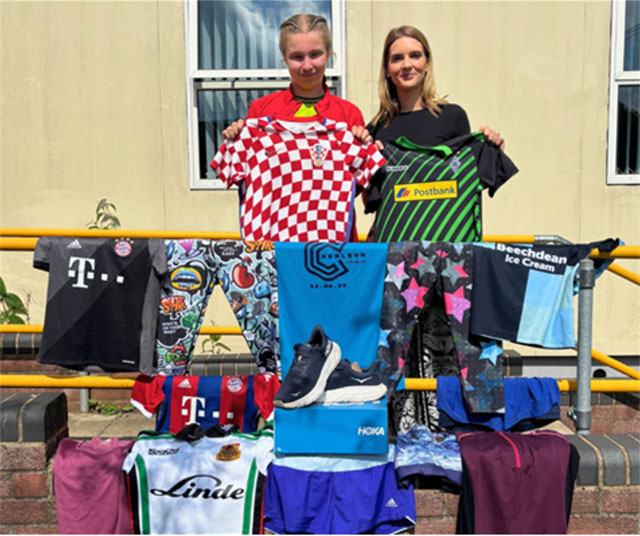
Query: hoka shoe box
x=332, y=429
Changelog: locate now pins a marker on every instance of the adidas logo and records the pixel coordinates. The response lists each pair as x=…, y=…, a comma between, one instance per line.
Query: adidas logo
x=185, y=384
x=75, y=244
x=391, y=503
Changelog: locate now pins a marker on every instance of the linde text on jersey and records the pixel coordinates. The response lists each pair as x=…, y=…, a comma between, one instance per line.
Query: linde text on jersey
x=532, y=258
x=188, y=489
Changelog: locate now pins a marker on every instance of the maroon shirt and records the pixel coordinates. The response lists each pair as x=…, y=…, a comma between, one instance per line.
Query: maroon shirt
x=91, y=496
x=518, y=482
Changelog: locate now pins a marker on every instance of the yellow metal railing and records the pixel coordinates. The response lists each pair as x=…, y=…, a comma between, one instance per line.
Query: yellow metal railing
x=117, y=233
x=413, y=384
x=13, y=239
x=615, y=364
x=38, y=328
x=230, y=330
x=602, y=386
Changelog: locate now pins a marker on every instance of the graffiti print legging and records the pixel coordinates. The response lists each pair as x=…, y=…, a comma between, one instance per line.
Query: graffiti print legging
x=414, y=270
x=246, y=272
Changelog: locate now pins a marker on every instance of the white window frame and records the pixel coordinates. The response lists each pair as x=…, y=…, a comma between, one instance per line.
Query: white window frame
x=618, y=77
x=221, y=79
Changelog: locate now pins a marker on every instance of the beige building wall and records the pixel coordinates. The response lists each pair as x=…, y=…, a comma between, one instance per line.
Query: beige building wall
x=93, y=105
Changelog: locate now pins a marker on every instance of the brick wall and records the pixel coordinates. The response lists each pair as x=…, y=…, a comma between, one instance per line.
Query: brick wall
x=27, y=503
x=606, y=510
x=611, y=413
x=595, y=510
x=31, y=426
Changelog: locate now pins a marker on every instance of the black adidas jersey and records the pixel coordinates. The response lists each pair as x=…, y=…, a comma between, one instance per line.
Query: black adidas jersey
x=102, y=301
x=435, y=193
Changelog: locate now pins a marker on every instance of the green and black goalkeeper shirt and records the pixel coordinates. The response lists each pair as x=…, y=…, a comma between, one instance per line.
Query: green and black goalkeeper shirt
x=435, y=193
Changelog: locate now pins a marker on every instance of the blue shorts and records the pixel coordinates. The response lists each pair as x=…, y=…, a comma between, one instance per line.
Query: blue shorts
x=529, y=403
x=344, y=502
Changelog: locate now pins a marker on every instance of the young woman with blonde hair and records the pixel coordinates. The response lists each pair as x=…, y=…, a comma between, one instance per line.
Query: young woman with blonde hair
x=409, y=105
x=411, y=108
x=306, y=46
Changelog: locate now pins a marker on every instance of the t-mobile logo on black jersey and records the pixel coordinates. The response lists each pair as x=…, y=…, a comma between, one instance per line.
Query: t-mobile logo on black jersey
x=82, y=268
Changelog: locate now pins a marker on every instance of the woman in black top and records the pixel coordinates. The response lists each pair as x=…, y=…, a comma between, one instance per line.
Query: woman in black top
x=409, y=105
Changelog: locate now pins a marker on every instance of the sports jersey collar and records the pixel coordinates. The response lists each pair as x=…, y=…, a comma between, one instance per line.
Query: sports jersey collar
x=300, y=124
x=194, y=432
x=406, y=143
x=322, y=102
x=446, y=149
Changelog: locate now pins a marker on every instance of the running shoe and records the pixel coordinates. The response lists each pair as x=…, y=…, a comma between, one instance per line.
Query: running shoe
x=349, y=383
x=312, y=364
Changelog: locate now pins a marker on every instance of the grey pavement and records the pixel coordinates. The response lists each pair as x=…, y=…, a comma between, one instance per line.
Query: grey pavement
x=127, y=425
x=92, y=424
x=558, y=426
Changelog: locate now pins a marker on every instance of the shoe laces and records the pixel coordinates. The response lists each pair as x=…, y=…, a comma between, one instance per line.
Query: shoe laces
x=299, y=360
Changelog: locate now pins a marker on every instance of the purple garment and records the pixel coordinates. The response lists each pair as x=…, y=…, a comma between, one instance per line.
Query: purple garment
x=518, y=481
x=90, y=488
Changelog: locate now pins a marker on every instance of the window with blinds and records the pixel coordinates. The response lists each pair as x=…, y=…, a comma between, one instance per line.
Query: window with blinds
x=624, y=104
x=233, y=58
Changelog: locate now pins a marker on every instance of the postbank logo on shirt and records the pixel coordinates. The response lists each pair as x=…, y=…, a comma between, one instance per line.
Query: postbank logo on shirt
x=425, y=191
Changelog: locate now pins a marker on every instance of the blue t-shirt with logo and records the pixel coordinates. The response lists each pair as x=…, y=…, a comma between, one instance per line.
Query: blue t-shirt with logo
x=338, y=286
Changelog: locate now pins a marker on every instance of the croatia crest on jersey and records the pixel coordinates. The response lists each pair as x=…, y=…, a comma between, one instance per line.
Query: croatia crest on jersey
x=318, y=154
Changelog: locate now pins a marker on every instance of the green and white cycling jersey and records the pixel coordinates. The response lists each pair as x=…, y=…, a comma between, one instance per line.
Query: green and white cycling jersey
x=209, y=485
x=435, y=193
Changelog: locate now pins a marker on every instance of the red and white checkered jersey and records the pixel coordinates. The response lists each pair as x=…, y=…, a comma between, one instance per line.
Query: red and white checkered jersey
x=299, y=177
